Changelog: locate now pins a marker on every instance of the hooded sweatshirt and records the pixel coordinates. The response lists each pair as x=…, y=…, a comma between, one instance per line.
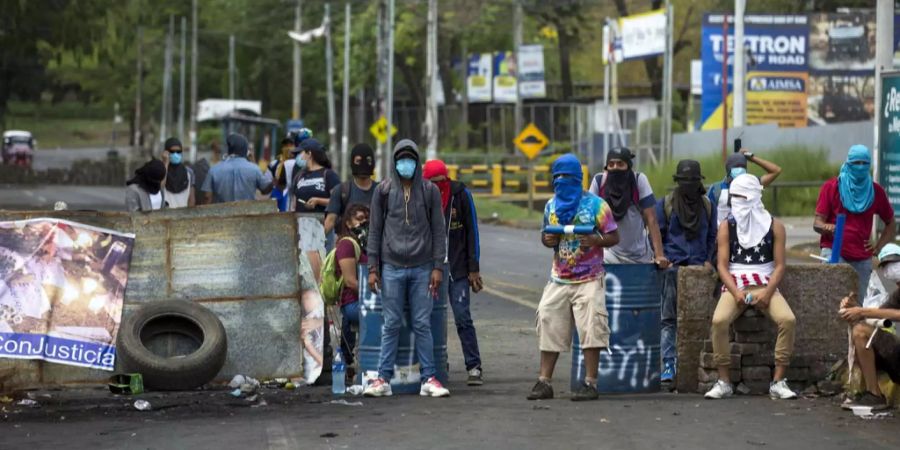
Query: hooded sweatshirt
x=401, y=234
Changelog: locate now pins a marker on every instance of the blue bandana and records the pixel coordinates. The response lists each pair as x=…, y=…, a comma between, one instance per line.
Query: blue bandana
x=568, y=189
x=855, y=181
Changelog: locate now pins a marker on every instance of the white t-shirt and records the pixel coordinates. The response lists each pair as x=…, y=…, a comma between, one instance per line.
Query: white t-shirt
x=156, y=200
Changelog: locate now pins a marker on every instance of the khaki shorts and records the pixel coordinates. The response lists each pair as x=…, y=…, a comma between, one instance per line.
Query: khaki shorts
x=561, y=304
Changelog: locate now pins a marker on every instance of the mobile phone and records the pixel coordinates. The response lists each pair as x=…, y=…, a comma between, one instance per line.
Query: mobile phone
x=737, y=145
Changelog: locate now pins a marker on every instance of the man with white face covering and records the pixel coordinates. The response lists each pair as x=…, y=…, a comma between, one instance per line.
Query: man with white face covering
x=751, y=265
x=875, y=345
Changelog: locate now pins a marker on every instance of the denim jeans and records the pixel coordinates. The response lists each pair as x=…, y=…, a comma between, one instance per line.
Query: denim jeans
x=669, y=312
x=863, y=270
x=462, y=315
x=349, y=317
x=403, y=286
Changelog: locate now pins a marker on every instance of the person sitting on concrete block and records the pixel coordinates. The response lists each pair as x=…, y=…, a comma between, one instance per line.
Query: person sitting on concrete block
x=751, y=246
x=687, y=224
x=875, y=344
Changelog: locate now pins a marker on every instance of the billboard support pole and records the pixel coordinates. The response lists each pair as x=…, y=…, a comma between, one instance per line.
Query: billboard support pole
x=725, y=88
x=884, y=55
x=739, y=65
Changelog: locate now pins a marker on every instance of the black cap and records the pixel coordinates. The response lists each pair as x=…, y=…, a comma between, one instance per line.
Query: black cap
x=688, y=169
x=622, y=153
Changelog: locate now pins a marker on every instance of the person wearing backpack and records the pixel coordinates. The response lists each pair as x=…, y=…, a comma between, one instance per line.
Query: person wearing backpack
x=462, y=265
x=687, y=227
x=407, y=248
x=340, y=284
x=357, y=190
x=736, y=164
x=631, y=199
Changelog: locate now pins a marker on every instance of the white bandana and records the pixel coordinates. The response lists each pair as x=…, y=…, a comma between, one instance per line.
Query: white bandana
x=753, y=221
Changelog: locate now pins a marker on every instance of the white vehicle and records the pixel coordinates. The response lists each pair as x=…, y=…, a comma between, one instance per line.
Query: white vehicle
x=18, y=148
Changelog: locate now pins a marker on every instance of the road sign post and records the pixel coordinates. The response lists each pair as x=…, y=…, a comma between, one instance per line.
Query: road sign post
x=530, y=142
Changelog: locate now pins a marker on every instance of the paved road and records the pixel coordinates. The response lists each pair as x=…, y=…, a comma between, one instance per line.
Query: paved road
x=495, y=415
x=103, y=198
x=62, y=158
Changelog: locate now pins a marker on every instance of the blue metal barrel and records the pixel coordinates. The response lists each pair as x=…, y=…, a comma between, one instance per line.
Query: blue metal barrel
x=406, y=368
x=632, y=363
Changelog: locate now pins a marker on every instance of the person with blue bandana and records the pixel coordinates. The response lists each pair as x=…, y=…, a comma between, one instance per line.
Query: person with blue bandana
x=576, y=293
x=735, y=165
x=854, y=194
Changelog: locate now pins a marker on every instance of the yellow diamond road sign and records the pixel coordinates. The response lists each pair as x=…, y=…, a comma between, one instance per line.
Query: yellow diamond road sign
x=531, y=141
x=379, y=130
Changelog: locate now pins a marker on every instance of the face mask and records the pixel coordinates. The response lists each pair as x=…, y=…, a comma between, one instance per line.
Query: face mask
x=406, y=168
x=892, y=272
x=300, y=162
x=175, y=158
x=362, y=233
x=735, y=172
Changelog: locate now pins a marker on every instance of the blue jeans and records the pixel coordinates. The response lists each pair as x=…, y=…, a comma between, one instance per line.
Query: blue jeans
x=349, y=317
x=403, y=286
x=462, y=315
x=669, y=311
x=863, y=270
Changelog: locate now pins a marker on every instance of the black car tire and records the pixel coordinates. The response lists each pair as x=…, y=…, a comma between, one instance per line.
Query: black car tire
x=179, y=317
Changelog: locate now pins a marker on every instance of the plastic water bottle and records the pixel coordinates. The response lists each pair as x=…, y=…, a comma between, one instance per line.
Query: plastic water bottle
x=338, y=387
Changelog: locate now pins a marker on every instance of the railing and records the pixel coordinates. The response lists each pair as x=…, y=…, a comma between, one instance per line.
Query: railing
x=496, y=178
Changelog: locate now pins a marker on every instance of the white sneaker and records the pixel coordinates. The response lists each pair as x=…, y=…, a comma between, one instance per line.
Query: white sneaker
x=779, y=390
x=720, y=390
x=433, y=388
x=378, y=388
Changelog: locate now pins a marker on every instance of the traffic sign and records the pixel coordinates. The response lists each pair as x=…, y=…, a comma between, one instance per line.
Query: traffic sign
x=531, y=141
x=379, y=130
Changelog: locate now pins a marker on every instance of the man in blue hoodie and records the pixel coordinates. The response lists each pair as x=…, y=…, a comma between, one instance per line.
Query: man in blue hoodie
x=407, y=249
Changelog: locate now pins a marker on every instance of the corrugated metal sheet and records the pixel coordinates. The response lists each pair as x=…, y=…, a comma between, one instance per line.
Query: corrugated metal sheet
x=238, y=259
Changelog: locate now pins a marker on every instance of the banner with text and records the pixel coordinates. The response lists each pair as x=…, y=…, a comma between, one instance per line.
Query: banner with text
x=889, y=138
x=643, y=35
x=62, y=290
x=505, y=79
x=531, y=71
x=479, y=81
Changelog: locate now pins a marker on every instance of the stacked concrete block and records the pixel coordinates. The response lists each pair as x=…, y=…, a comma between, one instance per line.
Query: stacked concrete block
x=813, y=291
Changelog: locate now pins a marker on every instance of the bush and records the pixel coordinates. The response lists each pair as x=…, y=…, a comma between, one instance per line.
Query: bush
x=797, y=163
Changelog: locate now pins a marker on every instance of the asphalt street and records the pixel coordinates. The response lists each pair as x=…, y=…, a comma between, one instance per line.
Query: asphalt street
x=495, y=415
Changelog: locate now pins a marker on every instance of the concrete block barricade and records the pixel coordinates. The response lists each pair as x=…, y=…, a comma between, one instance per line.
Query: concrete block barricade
x=242, y=265
x=813, y=291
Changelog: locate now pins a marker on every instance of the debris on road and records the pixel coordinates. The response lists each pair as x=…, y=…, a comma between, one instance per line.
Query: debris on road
x=541, y=407
x=345, y=403
x=29, y=403
x=236, y=392
x=142, y=405
x=865, y=412
x=356, y=389
x=329, y=435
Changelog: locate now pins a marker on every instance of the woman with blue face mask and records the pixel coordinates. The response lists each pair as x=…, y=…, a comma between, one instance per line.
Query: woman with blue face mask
x=180, y=179
x=736, y=165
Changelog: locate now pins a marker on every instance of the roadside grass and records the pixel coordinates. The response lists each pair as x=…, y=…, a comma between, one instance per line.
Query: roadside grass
x=490, y=209
x=798, y=163
x=55, y=132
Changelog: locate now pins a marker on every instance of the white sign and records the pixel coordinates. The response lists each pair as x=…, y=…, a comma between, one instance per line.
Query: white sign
x=480, y=78
x=643, y=35
x=696, y=76
x=505, y=82
x=217, y=108
x=531, y=71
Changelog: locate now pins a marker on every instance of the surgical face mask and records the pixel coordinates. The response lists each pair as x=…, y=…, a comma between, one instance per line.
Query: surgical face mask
x=175, y=158
x=406, y=168
x=300, y=162
x=892, y=272
x=737, y=171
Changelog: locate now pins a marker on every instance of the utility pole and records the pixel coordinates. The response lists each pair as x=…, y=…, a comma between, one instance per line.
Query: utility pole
x=431, y=119
x=668, y=61
x=137, y=91
x=329, y=84
x=517, y=43
x=298, y=62
x=345, y=103
x=181, y=79
x=390, y=76
x=464, y=136
x=884, y=53
x=739, y=80
x=167, y=83
x=231, y=69
x=381, y=94
x=192, y=137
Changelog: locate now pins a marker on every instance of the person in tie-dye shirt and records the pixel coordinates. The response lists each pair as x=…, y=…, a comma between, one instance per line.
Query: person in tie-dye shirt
x=576, y=290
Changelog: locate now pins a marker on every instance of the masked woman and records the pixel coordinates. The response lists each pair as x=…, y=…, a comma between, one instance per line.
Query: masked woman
x=349, y=253
x=180, y=179
x=144, y=191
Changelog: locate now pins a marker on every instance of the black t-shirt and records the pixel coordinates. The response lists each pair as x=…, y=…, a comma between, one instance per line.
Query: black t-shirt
x=356, y=196
x=314, y=184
